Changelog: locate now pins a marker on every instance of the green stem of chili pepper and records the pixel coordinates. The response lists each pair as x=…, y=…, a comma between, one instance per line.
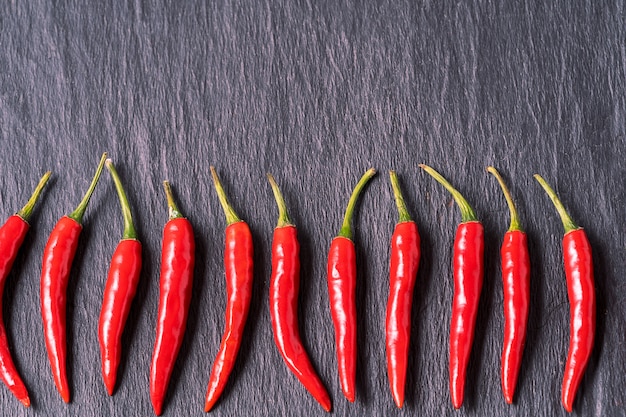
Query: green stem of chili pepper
x=283, y=217
x=231, y=216
x=174, y=212
x=129, y=227
x=467, y=213
x=403, y=213
x=346, y=230
x=27, y=210
x=78, y=214
x=568, y=223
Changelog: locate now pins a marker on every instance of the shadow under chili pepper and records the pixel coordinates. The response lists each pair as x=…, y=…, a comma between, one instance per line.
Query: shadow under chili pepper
x=363, y=359
x=74, y=281
x=306, y=305
x=77, y=274
x=477, y=361
x=363, y=275
x=421, y=296
x=536, y=314
x=598, y=250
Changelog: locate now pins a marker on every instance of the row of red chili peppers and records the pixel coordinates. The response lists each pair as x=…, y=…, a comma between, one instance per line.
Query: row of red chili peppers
x=176, y=282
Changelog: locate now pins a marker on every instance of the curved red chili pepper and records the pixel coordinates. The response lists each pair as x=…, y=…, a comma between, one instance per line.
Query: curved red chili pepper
x=468, y=281
x=12, y=235
x=341, y=290
x=516, y=286
x=404, y=262
x=238, y=265
x=119, y=290
x=582, y=298
x=284, y=286
x=177, y=261
x=58, y=256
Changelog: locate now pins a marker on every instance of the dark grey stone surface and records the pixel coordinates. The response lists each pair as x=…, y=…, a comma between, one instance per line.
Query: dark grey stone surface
x=316, y=93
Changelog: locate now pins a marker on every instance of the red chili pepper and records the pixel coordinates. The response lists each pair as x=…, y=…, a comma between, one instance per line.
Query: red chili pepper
x=58, y=256
x=405, y=258
x=284, y=286
x=468, y=281
x=12, y=235
x=177, y=261
x=516, y=286
x=341, y=291
x=119, y=290
x=582, y=299
x=238, y=265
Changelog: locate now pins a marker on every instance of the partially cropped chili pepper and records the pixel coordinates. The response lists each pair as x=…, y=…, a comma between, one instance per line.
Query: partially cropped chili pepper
x=582, y=299
x=284, y=287
x=119, y=290
x=12, y=234
x=58, y=256
x=468, y=281
x=177, y=262
x=516, y=286
x=341, y=292
x=238, y=265
x=405, y=258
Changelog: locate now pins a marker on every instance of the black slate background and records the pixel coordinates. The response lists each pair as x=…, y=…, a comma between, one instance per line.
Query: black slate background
x=316, y=93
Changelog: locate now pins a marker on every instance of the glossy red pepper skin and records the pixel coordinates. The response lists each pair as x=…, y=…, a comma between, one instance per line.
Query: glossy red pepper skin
x=341, y=279
x=284, y=287
x=12, y=235
x=516, y=284
x=581, y=293
x=468, y=271
x=58, y=256
x=177, y=263
x=341, y=291
x=120, y=288
x=404, y=263
x=238, y=265
x=582, y=299
x=468, y=279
